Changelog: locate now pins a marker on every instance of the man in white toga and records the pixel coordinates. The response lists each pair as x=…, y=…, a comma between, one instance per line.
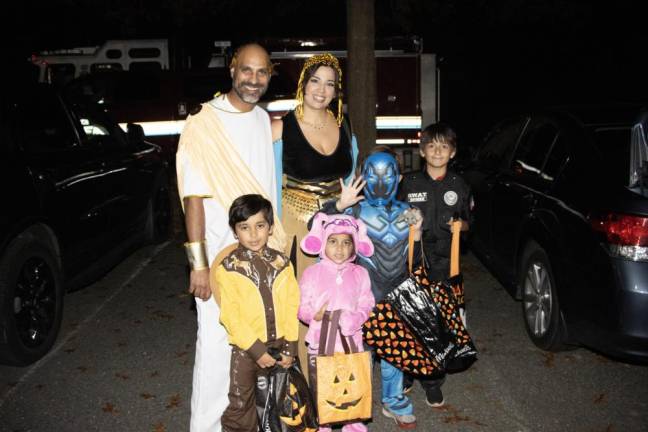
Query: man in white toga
x=225, y=151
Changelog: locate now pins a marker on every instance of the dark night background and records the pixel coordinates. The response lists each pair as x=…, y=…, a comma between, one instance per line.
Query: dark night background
x=495, y=56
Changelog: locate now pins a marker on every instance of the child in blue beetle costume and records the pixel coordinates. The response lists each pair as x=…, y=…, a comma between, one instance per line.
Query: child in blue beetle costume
x=387, y=226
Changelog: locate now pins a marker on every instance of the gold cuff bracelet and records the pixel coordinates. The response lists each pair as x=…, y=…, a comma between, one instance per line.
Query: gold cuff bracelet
x=196, y=255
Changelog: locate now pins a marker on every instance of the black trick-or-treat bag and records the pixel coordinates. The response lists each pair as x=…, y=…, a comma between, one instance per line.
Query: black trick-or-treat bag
x=419, y=326
x=284, y=402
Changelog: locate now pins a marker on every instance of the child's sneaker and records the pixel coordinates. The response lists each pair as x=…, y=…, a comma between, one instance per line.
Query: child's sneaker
x=354, y=427
x=406, y=421
x=434, y=397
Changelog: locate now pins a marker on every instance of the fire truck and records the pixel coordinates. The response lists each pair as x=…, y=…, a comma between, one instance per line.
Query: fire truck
x=138, y=81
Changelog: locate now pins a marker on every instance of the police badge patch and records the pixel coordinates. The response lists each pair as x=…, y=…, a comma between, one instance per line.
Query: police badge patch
x=450, y=198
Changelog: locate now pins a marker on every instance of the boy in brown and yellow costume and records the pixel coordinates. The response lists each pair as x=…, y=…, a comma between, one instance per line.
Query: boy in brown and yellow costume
x=259, y=299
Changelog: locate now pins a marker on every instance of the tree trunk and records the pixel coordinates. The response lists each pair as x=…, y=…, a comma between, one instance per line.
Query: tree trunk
x=361, y=71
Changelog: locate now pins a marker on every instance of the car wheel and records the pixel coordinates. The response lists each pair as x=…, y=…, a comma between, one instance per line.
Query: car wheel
x=31, y=301
x=158, y=221
x=540, y=306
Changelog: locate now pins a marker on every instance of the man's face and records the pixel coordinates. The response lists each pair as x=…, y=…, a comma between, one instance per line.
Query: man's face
x=251, y=75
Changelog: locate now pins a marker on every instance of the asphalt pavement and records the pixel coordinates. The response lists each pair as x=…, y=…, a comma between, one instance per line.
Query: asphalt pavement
x=123, y=362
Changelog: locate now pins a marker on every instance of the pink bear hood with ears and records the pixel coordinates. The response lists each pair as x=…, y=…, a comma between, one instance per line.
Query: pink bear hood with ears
x=324, y=225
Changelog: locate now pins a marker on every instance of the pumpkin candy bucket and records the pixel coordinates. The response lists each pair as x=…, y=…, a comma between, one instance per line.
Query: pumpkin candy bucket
x=343, y=379
x=283, y=400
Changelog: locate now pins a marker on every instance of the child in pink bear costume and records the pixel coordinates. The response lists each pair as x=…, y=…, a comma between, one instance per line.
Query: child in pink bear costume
x=335, y=282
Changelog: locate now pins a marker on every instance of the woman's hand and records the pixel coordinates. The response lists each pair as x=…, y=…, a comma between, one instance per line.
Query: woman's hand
x=351, y=194
x=320, y=314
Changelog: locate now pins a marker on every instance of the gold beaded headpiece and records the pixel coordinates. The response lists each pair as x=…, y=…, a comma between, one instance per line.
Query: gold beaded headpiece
x=326, y=59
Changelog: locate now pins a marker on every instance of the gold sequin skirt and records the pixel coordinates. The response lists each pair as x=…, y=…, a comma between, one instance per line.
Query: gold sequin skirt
x=300, y=201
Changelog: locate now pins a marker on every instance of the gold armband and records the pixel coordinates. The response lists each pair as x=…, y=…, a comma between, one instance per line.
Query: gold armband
x=196, y=255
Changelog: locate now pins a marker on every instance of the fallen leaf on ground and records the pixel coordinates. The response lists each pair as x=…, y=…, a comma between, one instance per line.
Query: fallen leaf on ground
x=147, y=396
x=174, y=402
x=109, y=408
x=600, y=398
x=163, y=315
x=549, y=359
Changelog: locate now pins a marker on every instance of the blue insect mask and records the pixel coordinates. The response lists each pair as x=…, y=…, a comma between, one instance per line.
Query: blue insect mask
x=380, y=171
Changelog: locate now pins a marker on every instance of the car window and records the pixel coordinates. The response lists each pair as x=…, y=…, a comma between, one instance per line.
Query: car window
x=43, y=124
x=639, y=152
x=97, y=129
x=613, y=143
x=534, y=146
x=496, y=151
x=557, y=157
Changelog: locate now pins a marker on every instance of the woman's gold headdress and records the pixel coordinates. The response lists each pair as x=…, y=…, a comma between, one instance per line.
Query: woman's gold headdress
x=326, y=59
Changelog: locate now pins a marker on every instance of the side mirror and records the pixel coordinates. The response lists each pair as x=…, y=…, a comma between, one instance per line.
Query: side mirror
x=135, y=133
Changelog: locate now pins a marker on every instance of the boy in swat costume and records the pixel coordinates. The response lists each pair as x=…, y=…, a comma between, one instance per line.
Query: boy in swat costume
x=441, y=195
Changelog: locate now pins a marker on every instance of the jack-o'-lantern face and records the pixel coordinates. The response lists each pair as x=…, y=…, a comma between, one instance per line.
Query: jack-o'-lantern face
x=296, y=412
x=343, y=394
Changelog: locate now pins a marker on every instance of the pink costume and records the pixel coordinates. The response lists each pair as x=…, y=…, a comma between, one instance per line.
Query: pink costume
x=344, y=286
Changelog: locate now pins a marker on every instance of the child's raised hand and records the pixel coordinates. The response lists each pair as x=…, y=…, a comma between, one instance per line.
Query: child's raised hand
x=320, y=314
x=417, y=218
x=350, y=195
x=414, y=217
x=286, y=361
x=266, y=361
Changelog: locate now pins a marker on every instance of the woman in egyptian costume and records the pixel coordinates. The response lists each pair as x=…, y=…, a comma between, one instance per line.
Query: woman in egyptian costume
x=314, y=149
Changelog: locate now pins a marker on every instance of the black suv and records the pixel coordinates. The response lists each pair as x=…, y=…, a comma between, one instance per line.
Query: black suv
x=561, y=217
x=78, y=194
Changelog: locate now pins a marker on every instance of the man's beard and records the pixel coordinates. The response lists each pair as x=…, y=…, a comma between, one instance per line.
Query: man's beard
x=247, y=97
